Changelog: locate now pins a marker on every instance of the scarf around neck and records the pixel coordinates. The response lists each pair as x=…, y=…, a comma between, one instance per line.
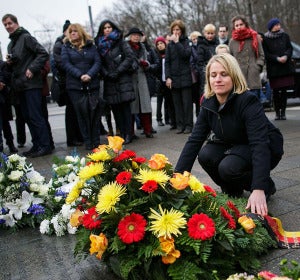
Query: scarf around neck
x=273, y=35
x=245, y=33
x=105, y=42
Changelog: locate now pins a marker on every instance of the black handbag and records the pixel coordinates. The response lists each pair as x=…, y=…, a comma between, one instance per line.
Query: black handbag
x=58, y=92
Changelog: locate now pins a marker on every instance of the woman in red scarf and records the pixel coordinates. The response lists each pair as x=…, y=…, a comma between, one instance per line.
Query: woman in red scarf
x=247, y=49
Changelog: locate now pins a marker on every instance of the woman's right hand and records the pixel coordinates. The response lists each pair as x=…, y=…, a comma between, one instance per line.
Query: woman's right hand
x=257, y=203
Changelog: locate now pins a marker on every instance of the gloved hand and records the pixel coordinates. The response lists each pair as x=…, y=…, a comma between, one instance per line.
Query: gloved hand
x=113, y=75
x=144, y=63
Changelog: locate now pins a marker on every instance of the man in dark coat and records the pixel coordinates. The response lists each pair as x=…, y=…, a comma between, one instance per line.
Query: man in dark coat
x=26, y=58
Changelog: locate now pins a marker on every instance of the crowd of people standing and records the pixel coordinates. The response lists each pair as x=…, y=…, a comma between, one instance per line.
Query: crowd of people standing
x=120, y=73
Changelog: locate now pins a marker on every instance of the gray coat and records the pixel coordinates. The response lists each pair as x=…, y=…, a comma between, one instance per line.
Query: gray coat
x=142, y=103
x=250, y=64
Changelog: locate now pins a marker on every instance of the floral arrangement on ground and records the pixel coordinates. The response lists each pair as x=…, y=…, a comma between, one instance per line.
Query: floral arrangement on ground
x=147, y=222
x=137, y=215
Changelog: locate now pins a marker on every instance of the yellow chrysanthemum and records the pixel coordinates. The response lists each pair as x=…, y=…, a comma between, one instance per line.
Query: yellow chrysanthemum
x=108, y=196
x=75, y=192
x=101, y=155
x=91, y=170
x=166, y=222
x=159, y=176
x=195, y=184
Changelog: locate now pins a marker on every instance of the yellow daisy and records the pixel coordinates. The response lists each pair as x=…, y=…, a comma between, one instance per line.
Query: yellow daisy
x=75, y=192
x=166, y=222
x=101, y=155
x=195, y=184
x=159, y=176
x=91, y=170
x=108, y=196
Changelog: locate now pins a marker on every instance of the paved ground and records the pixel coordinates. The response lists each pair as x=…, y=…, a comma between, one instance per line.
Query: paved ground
x=28, y=255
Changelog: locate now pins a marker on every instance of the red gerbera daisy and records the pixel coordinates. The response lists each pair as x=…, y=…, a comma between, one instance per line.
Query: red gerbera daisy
x=91, y=219
x=210, y=190
x=139, y=159
x=150, y=186
x=132, y=228
x=200, y=226
x=125, y=155
x=123, y=177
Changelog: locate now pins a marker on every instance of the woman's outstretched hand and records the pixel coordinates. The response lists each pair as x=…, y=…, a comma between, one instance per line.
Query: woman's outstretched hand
x=257, y=203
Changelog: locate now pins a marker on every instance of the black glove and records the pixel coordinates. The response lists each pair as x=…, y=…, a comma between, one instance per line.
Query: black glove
x=113, y=75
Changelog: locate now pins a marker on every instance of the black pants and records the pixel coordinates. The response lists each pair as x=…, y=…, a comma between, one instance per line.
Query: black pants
x=73, y=133
x=231, y=172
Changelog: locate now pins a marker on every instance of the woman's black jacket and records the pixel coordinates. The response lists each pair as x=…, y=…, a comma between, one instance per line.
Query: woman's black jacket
x=242, y=126
x=79, y=62
x=119, y=59
x=177, y=63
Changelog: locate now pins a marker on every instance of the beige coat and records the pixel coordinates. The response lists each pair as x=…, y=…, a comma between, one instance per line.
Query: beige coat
x=250, y=64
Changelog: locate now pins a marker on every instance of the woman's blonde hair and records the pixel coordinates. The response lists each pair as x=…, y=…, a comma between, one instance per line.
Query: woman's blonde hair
x=194, y=34
x=83, y=35
x=222, y=46
x=232, y=68
x=209, y=28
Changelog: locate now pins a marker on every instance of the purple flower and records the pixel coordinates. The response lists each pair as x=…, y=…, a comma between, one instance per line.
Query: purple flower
x=36, y=209
x=61, y=193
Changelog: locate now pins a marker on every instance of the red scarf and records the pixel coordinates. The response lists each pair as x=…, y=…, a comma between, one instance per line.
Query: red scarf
x=134, y=46
x=243, y=34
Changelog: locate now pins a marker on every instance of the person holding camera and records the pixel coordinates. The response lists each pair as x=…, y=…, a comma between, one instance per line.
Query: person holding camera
x=26, y=58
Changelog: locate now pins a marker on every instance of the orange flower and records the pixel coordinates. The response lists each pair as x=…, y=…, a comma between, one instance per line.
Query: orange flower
x=115, y=142
x=158, y=161
x=247, y=223
x=76, y=218
x=167, y=245
x=99, y=244
x=180, y=181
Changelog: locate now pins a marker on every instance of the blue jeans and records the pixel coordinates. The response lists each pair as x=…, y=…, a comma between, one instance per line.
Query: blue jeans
x=31, y=106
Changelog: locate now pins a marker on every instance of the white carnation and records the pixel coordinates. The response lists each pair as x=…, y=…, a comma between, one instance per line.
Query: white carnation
x=15, y=175
x=45, y=227
x=71, y=230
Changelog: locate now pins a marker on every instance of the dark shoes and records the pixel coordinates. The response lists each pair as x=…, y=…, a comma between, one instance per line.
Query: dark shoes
x=160, y=123
x=127, y=139
x=37, y=152
x=149, y=135
x=179, y=131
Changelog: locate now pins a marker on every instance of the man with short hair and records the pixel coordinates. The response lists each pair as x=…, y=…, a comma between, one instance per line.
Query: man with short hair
x=223, y=34
x=26, y=58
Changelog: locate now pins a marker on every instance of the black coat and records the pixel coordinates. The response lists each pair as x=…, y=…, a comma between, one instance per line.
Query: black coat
x=26, y=53
x=177, y=63
x=275, y=47
x=77, y=63
x=118, y=59
x=243, y=127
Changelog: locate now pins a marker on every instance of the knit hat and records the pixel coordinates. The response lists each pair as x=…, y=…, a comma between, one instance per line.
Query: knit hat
x=160, y=39
x=272, y=23
x=66, y=25
x=134, y=30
